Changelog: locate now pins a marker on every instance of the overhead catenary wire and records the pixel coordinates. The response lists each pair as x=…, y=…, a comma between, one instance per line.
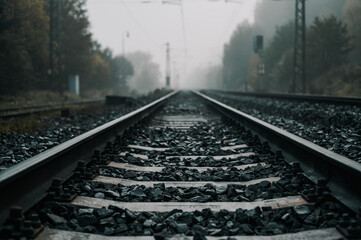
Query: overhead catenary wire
x=176, y=2
x=183, y=27
x=140, y=25
x=181, y=4
x=184, y=35
x=228, y=25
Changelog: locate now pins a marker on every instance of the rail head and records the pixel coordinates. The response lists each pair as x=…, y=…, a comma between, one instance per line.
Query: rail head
x=18, y=181
x=352, y=100
x=9, y=112
x=83, y=102
x=342, y=173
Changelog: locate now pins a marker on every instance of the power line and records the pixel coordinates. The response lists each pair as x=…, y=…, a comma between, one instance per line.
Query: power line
x=183, y=26
x=228, y=25
x=184, y=34
x=140, y=25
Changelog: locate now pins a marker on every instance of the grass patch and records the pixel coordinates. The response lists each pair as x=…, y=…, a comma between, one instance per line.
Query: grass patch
x=31, y=98
x=38, y=122
x=29, y=124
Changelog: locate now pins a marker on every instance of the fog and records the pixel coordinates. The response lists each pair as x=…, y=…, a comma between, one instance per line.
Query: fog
x=270, y=14
x=117, y=46
x=146, y=73
x=196, y=44
x=196, y=29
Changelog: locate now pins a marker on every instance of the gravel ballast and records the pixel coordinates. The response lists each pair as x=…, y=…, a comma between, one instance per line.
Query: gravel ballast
x=334, y=127
x=17, y=147
x=110, y=195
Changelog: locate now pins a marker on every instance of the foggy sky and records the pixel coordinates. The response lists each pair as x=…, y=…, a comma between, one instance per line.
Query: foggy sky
x=208, y=25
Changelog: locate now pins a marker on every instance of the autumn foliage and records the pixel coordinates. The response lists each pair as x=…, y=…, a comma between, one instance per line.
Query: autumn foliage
x=24, y=49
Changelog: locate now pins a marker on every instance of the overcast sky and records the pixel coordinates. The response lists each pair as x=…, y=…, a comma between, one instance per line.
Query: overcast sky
x=196, y=43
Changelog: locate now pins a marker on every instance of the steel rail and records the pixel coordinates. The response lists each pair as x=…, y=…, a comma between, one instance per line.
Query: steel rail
x=300, y=97
x=41, y=108
x=343, y=174
x=26, y=183
x=23, y=114
x=51, y=105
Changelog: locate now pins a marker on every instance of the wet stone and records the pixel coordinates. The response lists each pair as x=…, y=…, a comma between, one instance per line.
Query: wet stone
x=251, y=213
x=302, y=211
x=274, y=228
x=181, y=227
x=55, y=219
x=99, y=195
x=129, y=215
x=86, y=219
x=138, y=192
x=185, y=218
x=111, y=193
x=229, y=224
x=265, y=184
x=198, y=219
x=221, y=189
x=199, y=236
x=130, y=174
x=85, y=210
x=214, y=232
x=159, y=185
x=103, y=212
x=108, y=230
x=157, y=193
x=311, y=219
x=246, y=228
x=122, y=228
x=107, y=221
x=149, y=223
x=90, y=229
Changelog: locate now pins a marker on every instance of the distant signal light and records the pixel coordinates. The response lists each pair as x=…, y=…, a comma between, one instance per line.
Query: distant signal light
x=258, y=43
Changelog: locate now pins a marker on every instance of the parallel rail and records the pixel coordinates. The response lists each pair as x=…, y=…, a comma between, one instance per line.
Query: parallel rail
x=300, y=97
x=18, y=182
x=342, y=173
x=13, y=112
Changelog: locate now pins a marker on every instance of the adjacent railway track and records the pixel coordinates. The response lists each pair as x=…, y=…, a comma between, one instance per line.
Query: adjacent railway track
x=183, y=167
x=14, y=112
x=301, y=97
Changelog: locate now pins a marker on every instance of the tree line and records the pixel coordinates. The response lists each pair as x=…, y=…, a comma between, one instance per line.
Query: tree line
x=333, y=53
x=26, y=61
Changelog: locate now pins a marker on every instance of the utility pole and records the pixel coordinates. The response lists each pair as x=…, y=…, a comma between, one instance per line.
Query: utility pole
x=258, y=48
x=51, y=39
x=174, y=75
x=299, y=51
x=60, y=74
x=167, y=69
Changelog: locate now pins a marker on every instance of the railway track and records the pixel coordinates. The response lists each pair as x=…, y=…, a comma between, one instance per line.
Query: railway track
x=15, y=112
x=356, y=101
x=183, y=167
x=332, y=124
